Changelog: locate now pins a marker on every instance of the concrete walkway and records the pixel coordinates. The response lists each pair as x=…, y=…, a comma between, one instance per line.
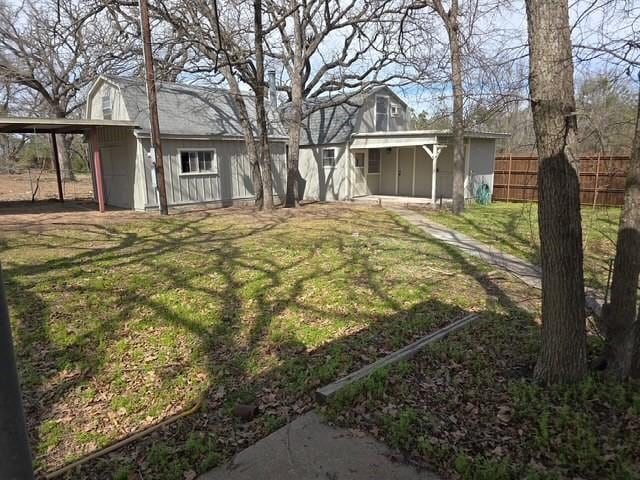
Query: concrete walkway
x=526, y=272
x=309, y=449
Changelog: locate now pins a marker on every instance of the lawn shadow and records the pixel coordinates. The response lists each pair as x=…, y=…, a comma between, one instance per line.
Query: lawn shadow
x=248, y=358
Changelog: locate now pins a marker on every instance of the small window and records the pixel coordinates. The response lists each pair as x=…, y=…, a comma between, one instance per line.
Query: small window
x=374, y=160
x=395, y=110
x=106, y=103
x=199, y=161
x=359, y=157
x=329, y=157
x=382, y=114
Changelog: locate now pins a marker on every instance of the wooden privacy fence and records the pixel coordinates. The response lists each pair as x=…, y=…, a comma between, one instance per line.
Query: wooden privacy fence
x=602, y=178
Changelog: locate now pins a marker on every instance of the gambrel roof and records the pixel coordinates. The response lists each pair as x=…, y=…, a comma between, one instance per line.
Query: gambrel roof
x=187, y=110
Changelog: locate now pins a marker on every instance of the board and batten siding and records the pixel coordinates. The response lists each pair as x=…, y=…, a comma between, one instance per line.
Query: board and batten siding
x=230, y=183
x=118, y=108
x=319, y=182
x=482, y=160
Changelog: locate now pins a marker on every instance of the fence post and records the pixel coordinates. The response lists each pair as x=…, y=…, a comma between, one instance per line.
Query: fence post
x=509, y=176
x=15, y=455
x=595, y=190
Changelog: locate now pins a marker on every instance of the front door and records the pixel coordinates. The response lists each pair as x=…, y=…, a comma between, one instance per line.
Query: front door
x=405, y=171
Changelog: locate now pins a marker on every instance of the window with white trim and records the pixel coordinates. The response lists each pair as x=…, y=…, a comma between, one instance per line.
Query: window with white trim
x=395, y=110
x=359, y=158
x=198, y=161
x=329, y=157
x=382, y=114
x=374, y=160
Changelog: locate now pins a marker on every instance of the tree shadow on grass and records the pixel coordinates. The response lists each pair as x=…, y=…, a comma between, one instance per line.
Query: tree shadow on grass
x=248, y=351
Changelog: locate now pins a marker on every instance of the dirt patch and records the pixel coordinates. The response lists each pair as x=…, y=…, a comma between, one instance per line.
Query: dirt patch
x=21, y=186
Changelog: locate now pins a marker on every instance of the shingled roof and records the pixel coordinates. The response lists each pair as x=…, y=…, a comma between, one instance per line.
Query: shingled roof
x=186, y=110
x=333, y=124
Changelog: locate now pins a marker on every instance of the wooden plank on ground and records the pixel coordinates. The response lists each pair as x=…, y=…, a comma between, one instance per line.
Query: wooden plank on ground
x=325, y=393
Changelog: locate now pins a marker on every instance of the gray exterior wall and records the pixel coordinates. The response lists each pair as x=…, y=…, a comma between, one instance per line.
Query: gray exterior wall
x=232, y=181
x=94, y=103
x=118, y=153
x=481, y=163
x=323, y=183
x=367, y=119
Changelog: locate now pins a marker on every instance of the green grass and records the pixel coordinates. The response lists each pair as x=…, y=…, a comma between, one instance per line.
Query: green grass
x=119, y=325
x=513, y=228
x=467, y=406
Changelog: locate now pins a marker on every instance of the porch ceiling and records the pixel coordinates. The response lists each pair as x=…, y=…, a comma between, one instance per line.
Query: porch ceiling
x=392, y=139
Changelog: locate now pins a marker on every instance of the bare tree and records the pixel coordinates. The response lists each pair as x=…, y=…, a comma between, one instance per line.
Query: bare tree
x=563, y=353
x=56, y=48
x=363, y=37
x=222, y=38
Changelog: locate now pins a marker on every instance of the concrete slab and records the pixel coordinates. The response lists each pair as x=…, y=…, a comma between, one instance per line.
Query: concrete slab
x=309, y=449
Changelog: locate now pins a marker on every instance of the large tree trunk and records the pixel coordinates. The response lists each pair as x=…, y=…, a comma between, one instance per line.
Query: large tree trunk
x=63, y=153
x=619, y=316
x=563, y=352
x=295, y=120
x=458, y=109
x=264, y=152
x=249, y=139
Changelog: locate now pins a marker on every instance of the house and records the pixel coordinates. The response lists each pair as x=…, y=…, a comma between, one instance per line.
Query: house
x=366, y=146
x=360, y=146
x=203, y=149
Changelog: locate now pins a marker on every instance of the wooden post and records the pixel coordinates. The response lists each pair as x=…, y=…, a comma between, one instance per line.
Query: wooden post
x=56, y=162
x=509, y=175
x=413, y=178
x=153, y=106
x=97, y=168
x=15, y=455
x=595, y=189
x=434, y=171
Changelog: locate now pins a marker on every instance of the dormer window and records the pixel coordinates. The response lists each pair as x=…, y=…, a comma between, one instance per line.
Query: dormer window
x=382, y=114
x=106, y=103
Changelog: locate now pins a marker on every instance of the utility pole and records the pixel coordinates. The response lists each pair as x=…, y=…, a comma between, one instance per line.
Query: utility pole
x=153, y=107
x=15, y=455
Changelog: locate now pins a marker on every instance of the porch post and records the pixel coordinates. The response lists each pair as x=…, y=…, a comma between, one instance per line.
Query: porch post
x=97, y=168
x=56, y=162
x=434, y=159
x=413, y=178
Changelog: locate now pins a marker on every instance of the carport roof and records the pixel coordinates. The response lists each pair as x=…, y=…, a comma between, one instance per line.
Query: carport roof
x=56, y=125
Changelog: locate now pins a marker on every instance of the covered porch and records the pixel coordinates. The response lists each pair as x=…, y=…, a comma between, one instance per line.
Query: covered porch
x=397, y=166
x=399, y=200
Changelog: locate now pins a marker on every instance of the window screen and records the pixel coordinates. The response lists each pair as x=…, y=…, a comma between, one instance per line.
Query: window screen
x=382, y=114
x=198, y=161
x=374, y=160
x=328, y=157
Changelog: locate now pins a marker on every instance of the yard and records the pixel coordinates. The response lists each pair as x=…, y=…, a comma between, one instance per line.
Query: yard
x=513, y=228
x=124, y=319
x=467, y=407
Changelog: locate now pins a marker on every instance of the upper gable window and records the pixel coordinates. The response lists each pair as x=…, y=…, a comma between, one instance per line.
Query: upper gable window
x=106, y=103
x=382, y=114
x=395, y=110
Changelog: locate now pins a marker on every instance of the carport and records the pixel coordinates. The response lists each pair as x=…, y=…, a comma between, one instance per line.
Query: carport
x=53, y=126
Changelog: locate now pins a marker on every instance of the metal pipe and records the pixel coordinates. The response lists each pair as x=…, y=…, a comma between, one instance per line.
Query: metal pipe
x=15, y=455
